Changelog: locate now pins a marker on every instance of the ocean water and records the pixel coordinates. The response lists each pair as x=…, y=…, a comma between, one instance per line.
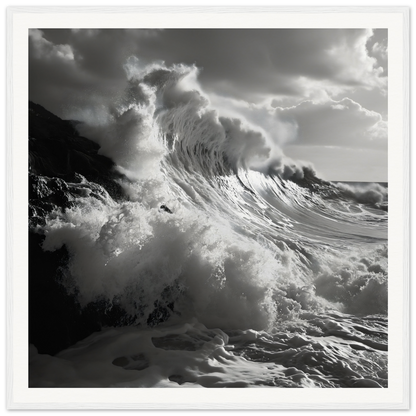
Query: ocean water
x=235, y=266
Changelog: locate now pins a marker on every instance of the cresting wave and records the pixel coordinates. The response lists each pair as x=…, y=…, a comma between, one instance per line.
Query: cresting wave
x=219, y=237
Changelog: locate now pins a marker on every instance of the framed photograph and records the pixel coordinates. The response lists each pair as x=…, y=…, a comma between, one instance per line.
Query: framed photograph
x=208, y=198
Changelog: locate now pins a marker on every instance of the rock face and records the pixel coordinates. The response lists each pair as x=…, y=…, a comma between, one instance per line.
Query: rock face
x=57, y=150
x=63, y=166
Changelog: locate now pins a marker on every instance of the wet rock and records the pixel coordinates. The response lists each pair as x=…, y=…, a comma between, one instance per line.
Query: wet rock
x=56, y=150
x=166, y=209
x=63, y=167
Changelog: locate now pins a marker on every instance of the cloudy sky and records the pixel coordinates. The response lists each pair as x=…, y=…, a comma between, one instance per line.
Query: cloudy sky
x=320, y=93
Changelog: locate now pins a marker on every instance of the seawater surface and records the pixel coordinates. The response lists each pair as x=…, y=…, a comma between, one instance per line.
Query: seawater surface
x=235, y=266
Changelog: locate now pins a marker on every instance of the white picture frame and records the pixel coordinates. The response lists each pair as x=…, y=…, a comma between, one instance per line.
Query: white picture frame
x=398, y=18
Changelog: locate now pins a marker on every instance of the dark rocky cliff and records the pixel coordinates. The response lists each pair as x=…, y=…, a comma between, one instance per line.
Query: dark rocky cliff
x=62, y=166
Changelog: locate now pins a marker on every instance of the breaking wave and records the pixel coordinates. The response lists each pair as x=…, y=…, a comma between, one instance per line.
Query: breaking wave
x=221, y=247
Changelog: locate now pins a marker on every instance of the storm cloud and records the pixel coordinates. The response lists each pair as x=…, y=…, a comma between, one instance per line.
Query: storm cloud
x=311, y=87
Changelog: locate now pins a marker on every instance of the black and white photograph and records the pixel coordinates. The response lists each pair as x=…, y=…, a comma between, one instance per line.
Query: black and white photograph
x=208, y=208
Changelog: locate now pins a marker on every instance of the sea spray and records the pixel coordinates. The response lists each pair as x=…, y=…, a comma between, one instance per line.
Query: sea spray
x=218, y=230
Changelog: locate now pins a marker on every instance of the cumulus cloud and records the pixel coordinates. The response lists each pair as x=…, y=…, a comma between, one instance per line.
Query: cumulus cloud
x=380, y=50
x=354, y=65
x=43, y=49
x=377, y=47
x=58, y=81
x=342, y=123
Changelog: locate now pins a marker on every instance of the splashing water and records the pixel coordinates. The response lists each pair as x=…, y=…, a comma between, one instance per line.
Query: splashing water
x=257, y=272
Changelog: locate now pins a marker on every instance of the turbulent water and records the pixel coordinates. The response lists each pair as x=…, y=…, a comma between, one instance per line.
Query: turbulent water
x=235, y=266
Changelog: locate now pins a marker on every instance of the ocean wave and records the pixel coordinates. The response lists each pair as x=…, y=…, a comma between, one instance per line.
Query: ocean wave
x=215, y=226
